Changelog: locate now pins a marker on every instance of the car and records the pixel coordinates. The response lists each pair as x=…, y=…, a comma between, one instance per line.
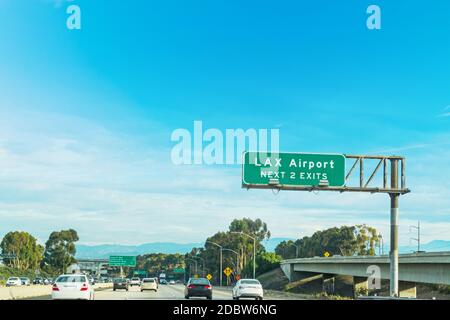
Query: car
x=120, y=283
x=149, y=284
x=198, y=287
x=25, y=281
x=38, y=280
x=13, y=282
x=135, y=282
x=248, y=288
x=72, y=287
x=162, y=281
x=92, y=281
x=172, y=282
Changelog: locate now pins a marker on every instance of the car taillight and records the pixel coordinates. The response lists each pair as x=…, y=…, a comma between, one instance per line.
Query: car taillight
x=84, y=287
x=55, y=287
x=191, y=286
x=208, y=287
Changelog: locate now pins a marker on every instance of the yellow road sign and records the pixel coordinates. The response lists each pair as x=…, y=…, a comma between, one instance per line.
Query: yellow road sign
x=326, y=254
x=196, y=276
x=209, y=277
x=228, y=271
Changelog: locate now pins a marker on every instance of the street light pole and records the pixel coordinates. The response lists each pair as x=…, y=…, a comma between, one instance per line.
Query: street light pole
x=254, y=249
x=237, y=257
x=296, y=249
x=196, y=264
x=221, y=260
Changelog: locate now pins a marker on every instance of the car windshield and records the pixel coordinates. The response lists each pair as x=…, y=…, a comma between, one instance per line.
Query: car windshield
x=135, y=279
x=200, y=281
x=13, y=279
x=254, y=282
x=149, y=280
x=119, y=280
x=76, y=279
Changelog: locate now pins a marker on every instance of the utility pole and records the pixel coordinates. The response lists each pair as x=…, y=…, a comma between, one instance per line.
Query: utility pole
x=394, y=230
x=418, y=235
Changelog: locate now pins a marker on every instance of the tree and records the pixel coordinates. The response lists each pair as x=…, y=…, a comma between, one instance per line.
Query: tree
x=255, y=228
x=60, y=250
x=28, y=253
x=367, y=239
x=287, y=249
x=267, y=261
x=345, y=241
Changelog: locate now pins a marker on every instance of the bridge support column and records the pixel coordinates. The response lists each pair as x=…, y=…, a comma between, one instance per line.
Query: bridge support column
x=407, y=289
x=360, y=286
x=328, y=283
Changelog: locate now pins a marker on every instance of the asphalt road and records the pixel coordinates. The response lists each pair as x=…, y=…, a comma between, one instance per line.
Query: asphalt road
x=171, y=292
x=165, y=292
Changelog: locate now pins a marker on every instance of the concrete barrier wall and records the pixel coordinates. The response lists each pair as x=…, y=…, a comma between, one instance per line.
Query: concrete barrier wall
x=23, y=292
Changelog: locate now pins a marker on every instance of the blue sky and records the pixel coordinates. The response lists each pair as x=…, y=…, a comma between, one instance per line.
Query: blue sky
x=86, y=115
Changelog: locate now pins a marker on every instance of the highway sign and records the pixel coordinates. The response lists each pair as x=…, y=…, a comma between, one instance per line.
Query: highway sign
x=228, y=271
x=293, y=169
x=140, y=273
x=209, y=277
x=178, y=270
x=122, y=261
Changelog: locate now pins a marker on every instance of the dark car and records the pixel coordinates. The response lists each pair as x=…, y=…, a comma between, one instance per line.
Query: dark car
x=121, y=283
x=38, y=280
x=200, y=287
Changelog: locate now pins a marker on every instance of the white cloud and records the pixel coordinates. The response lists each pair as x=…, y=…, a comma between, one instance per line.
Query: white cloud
x=65, y=172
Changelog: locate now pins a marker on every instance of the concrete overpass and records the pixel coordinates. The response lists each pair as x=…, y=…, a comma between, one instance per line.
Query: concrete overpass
x=92, y=266
x=430, y=268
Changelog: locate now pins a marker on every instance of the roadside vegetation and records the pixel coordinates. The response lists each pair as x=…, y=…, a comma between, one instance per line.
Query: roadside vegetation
x=24, y=257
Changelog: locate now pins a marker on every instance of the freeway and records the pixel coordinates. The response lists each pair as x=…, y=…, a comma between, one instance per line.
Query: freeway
x=165, y=292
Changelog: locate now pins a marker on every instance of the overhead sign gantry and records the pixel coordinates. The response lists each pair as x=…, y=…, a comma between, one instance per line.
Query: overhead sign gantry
x=327, y=172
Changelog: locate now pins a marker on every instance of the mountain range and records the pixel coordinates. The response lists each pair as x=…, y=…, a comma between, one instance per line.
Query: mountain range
x=105, y=250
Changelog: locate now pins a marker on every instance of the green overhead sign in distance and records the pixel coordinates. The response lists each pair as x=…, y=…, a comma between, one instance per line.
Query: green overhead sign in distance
x=122, y=261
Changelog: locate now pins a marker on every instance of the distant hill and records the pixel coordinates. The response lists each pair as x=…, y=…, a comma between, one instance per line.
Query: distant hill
x=105, y=250
x=433, y=246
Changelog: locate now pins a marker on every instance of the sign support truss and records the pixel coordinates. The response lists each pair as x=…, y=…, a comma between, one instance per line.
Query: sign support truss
x=392, y=187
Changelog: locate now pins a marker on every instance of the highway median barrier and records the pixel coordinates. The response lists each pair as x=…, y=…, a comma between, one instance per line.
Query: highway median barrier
x=33, y=291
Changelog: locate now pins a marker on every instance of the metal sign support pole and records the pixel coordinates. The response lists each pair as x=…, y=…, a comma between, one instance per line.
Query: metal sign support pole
x=394, y=231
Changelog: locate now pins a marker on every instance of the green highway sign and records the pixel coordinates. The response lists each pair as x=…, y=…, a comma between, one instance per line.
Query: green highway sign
x=178, y=270
x=122, y=261
x=140, y=273
x=293, y=169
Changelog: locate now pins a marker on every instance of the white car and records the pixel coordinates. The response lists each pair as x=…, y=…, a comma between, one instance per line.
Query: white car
x=149, y=284
x=172, y=282
x=13, y=282
x=72, y=287
x=135, y=282
x=248, y=288
x=25, y=281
